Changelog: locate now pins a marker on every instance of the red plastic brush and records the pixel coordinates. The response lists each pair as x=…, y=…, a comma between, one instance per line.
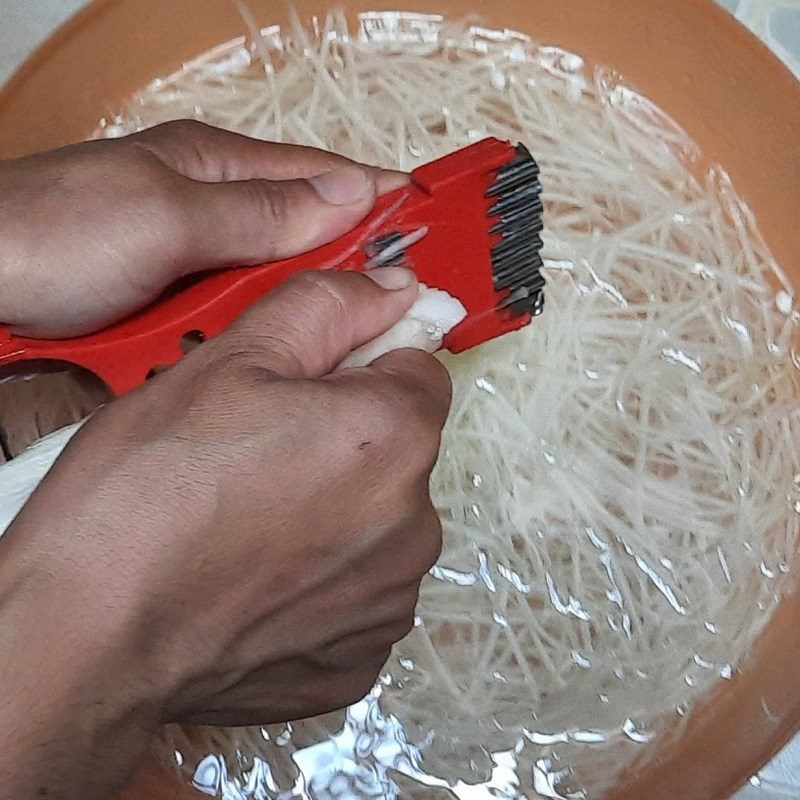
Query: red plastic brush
x=468, y=224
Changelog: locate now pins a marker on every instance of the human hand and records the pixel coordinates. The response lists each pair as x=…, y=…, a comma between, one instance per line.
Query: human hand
x=239, y=541
x=91, y=233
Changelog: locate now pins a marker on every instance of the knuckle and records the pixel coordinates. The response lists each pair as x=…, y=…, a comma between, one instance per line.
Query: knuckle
x=362, y=683
x=348, y=686
x=403, y=628
x=271, y=201
x=431, y=547
x=424, y=385
x=183, y=145
x=421, y=542
x=320, y=289
x=178, y=127
x=235, y=354
x=373, y=411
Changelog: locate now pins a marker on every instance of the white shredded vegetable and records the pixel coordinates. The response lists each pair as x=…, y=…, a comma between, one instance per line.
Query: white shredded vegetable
x=433, y=315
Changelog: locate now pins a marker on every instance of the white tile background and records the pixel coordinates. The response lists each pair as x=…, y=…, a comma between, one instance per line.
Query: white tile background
x=26, y=23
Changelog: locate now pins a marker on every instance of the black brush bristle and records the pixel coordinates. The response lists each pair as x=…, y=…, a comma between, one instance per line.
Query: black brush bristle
x=377, y=246
x=517, y=211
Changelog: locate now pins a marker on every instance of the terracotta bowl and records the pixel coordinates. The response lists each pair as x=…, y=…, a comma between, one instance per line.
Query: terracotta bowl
x=727, y=90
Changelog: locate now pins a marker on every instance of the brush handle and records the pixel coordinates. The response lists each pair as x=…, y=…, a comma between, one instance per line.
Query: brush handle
x=451, y=198
x=126, y=354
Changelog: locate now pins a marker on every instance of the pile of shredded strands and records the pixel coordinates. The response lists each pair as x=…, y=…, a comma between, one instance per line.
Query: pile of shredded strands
x=616, y=481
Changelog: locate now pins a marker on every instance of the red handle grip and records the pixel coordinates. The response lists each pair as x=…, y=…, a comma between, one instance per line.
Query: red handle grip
x=124, y=355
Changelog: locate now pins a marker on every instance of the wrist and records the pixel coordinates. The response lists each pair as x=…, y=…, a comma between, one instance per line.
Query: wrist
x=78, y=707
x=12, y=302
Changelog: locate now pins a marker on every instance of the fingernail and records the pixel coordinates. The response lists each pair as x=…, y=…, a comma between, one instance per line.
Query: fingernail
x=343, y=186
x=388, y=180
x=392, y=278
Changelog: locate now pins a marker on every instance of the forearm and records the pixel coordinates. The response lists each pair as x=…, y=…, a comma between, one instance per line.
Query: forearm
x=75, y=710
x=12, y=289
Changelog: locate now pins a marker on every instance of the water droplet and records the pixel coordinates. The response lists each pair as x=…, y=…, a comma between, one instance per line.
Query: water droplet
x=726, y=672
x=477, y=480
x=209, y=774
x=587, y=737
x=591, y=374
x=619, y=672
x=783, y=302
x=701, y=662
x=476, y=510
x=603, y=698
x=487, y=387
x=710, y=627
x=283, y=739
x=659, y=583
x=522, y=367
x=178, y=758
x=596, y=540
x=627, y=626
x=723, y=562
x=546, y=780
x=500, y=619
x=453, y=576
x=630, y=730
x=766, y=571
x=545, y=738
x=689, y=680
x=407, y=664
x=677, y=356
x=703, y=270
x=514, y=579
x=581, y=660
x=740, y=329
x=483, y=571
x=571, y=607
x=755, y=780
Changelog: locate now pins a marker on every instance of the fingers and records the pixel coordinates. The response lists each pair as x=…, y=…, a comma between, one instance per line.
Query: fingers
x=253, y=221
x=249, y=201
x=307, y=325
x=204, y=153
x=424, y=377
x=289, y=691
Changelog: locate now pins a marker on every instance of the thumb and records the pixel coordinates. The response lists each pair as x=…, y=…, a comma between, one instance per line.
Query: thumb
x=248, y=222
x=305, y=327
